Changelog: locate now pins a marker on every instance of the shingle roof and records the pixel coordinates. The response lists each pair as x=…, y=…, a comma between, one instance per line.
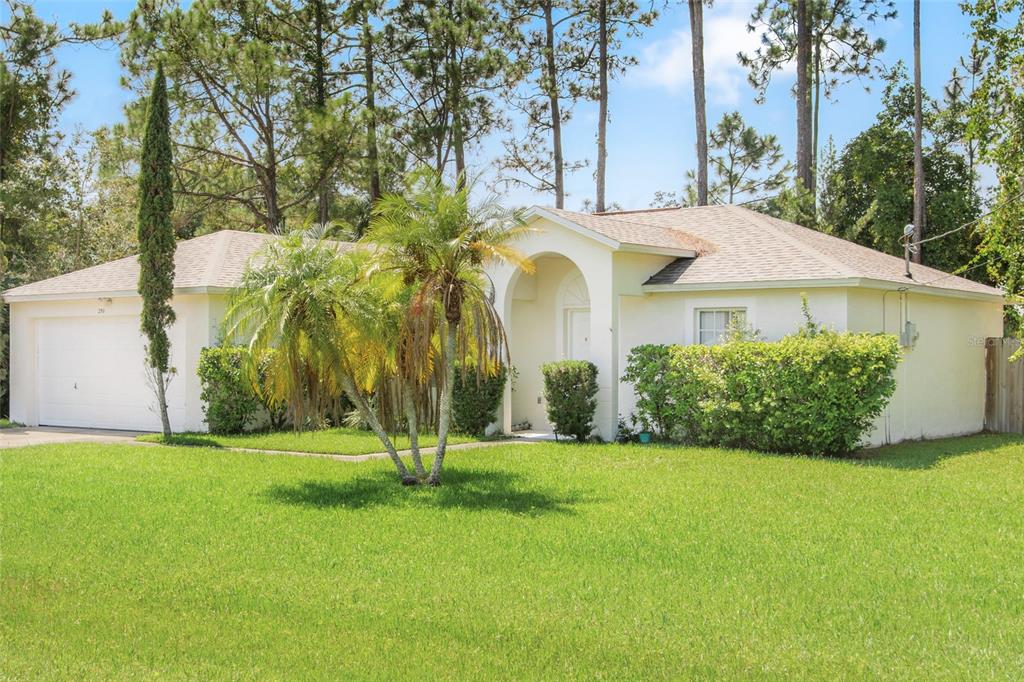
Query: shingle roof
x=741, y=245
x=215, y=260
x=622, y=228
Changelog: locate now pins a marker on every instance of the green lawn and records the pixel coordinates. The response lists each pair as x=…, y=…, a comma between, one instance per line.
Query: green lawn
x=331, y=441
x=8, y=424
x=545, y=561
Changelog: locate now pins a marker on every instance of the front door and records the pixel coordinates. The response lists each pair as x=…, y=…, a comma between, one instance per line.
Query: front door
x=577, y=334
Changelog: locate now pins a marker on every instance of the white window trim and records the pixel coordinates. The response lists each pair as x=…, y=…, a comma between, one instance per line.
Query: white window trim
x=716, y=309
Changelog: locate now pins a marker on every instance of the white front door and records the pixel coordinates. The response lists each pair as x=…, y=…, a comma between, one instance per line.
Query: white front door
x=577, y=334
x=91, y=373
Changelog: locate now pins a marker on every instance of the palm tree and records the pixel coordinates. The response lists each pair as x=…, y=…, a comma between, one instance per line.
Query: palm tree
x=329, y=324
x=440, y=243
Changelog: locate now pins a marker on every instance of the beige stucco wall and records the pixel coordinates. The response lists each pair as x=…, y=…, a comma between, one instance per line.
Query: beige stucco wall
x=941, y=379
x=194, y=328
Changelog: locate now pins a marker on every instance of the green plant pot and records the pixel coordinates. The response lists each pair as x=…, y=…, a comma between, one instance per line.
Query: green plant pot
x=645, y=437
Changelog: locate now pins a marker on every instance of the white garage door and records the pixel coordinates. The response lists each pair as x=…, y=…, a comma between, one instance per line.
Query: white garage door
x=91, y=373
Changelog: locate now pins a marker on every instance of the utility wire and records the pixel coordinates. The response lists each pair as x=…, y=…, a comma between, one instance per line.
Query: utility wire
x=972, y=222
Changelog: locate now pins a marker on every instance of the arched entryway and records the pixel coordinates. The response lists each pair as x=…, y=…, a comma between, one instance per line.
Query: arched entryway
x=548, y=318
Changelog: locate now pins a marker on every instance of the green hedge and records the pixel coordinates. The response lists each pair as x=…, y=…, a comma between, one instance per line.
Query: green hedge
x=476, y=398
x=570, y=391
x=230, y=402
x=813, y=393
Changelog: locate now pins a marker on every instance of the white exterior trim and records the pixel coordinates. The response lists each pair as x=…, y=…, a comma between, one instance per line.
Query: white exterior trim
x=83, y=295
x=866, y=283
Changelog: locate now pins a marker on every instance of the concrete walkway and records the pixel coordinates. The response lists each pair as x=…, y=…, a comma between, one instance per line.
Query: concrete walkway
x=54, y=435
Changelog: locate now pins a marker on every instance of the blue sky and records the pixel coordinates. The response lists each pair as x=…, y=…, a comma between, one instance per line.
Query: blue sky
x=651, y=133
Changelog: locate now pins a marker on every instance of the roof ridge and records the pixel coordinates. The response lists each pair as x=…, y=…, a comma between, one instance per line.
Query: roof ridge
x=805, y=248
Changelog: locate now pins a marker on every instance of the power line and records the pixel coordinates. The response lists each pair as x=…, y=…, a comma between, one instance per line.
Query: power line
x=972, y=222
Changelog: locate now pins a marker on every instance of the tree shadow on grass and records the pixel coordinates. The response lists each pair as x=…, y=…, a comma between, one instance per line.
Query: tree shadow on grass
x=470, y=489
x=926, y=454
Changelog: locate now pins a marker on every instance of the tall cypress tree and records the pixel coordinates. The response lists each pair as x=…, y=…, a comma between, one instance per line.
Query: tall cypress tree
x=156, y=241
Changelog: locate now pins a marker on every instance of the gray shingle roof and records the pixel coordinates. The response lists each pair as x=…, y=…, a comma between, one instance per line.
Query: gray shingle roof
x=216, y=260
x=737, y=244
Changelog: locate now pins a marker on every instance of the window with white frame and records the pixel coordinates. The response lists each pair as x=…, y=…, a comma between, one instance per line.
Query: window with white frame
x=714, y=323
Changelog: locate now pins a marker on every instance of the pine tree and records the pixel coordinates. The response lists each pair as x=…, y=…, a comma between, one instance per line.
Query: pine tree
x=156, y=241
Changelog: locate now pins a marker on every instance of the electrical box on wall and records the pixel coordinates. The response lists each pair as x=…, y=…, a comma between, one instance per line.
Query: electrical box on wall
x=909, y=335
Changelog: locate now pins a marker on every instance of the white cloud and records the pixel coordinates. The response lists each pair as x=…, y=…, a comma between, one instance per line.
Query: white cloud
x=666, y=63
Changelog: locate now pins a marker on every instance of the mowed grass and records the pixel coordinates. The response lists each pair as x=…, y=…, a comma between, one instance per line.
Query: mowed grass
x=339, y=441
x=532, y=561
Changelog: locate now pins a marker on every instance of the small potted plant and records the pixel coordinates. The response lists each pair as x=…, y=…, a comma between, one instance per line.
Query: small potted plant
x=644, y=434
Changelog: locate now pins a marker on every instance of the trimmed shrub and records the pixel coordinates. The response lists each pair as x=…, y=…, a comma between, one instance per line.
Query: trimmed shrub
x=570, y=391
x=230, y=404
x=814, y=394
x=476, y=398
x=647, y=369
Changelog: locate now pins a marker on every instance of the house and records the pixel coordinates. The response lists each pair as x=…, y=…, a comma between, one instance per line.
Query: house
x=603, y=284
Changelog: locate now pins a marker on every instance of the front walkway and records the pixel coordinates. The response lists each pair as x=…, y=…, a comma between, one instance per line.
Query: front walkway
x=55, y=435
x=383, y=455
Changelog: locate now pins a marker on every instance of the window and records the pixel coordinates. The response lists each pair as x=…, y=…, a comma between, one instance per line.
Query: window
x=712, y=325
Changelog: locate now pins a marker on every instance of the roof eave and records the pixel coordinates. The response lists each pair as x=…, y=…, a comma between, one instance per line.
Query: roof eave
x=536, y=212
x=863, y=282
x=85, y=295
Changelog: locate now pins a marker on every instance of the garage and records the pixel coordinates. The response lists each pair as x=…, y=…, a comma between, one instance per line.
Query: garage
x=78, y=357
x=91, y=373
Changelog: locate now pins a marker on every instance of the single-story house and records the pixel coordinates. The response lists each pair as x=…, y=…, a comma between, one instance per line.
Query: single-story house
x=603, y=284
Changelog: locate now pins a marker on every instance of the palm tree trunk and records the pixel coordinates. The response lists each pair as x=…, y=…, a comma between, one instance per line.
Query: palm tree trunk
x=602, y=120
x=699, y=106
x=551, y=85
x=803, y=91
x=371, y=418
x=919, y=210
x=445, y=418
x=409, y=403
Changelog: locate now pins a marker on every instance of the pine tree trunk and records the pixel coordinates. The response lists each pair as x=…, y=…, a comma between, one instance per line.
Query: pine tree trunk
x=551, y=86
x=323, y=199
x=815, y=120
x=602, y=119
x=445, y=417
x=919, y=208
x=409, y=403
x=274, y=225
x=348, y=385
x=371, y=110
x=161, y=399
x=803, y=91
x=699, y=105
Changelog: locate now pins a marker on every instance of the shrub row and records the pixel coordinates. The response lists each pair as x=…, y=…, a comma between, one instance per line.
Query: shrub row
x=815, y=393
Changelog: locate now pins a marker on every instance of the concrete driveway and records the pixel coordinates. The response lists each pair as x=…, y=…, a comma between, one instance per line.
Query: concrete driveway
x=49, y=435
